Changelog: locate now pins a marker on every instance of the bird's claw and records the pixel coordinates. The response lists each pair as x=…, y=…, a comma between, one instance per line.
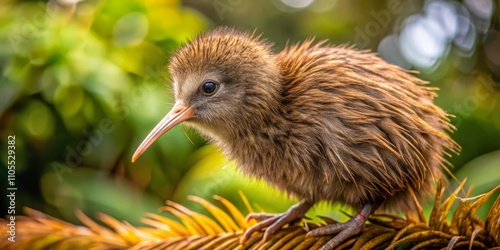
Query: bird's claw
x=270, y=222
x=264, y=216
x=275, y=222
x=259, y=216
x=345, y=230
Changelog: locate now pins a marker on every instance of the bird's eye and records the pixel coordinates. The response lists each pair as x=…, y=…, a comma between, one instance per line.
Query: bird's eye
x=208, y=88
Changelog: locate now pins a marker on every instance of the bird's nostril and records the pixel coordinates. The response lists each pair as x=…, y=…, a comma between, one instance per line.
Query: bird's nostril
x=176, y=109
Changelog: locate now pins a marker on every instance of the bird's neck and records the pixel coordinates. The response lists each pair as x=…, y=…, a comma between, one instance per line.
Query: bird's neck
x=262, y=121
x=261, y=110
x=264, y=129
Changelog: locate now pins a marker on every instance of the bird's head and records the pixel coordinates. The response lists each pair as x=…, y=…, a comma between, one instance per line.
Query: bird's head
x=224, y=81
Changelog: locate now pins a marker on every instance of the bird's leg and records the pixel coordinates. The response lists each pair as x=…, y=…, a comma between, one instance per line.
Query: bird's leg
x=345, y=230
x=276, y=221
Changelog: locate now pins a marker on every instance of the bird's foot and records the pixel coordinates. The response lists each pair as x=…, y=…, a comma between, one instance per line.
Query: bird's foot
x=345, y=230
x=274, y=222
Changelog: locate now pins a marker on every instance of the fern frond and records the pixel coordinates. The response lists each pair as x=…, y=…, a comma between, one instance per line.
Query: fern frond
x=37, y=230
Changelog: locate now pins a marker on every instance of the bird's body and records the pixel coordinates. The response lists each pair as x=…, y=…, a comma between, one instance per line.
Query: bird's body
x=318, y=122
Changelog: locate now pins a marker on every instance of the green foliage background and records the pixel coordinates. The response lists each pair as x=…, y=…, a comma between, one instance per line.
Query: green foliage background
x=82, y=84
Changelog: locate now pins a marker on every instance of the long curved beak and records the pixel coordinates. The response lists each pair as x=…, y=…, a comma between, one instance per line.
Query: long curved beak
x=179, y=113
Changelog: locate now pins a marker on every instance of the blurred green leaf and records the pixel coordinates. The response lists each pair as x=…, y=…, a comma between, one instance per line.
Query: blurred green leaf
x=483, y=175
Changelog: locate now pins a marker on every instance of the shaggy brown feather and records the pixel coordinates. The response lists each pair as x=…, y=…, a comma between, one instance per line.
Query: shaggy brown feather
x=322, y=123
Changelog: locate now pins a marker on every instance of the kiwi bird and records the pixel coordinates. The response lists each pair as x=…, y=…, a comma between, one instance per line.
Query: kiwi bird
x=319, y=122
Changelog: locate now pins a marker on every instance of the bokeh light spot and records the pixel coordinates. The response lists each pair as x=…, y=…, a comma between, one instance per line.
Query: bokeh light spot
x=69, y=99
x=297, y=3
x=38, y=120
x=389, y=50
x=130, y=30
x=480, y=8
x=322, y=5
x=445, y=15
x=419, y=43
x=466, y=37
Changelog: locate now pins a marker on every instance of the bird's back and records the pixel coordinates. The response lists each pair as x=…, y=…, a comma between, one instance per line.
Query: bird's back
x=373, y=126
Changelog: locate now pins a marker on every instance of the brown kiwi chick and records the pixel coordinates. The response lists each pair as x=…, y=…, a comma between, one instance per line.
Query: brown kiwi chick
x=322, y=123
